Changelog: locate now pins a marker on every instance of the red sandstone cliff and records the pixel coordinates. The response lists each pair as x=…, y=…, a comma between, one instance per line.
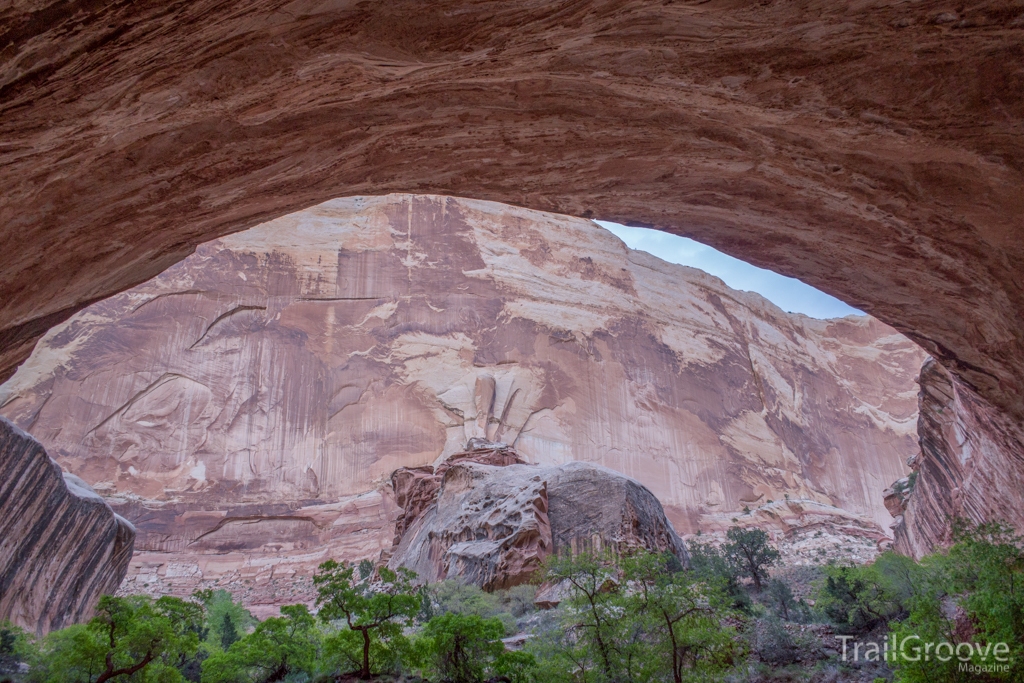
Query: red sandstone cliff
x=246, y=408
x=968, y=466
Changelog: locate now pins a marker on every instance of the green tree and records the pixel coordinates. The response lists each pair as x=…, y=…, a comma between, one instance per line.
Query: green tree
x=634, y=619
x=461, y=648
x=594, y=644
x=466, y=598
x=971, y=594
x=16, y=647
x=750, y=553
x=228, y=632
x=277, y=647
x=515, y=667
x=227, y=620
x=859, y=598
x=376, y=612
x=781, y=598
x=680, y=617
x=131, y=638
x=710, y=564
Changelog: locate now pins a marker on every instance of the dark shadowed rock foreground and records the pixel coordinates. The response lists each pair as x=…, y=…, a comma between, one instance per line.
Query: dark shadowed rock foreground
x=61, y=546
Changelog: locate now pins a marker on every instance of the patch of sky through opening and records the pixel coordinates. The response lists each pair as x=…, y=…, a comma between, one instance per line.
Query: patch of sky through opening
x=787, y=293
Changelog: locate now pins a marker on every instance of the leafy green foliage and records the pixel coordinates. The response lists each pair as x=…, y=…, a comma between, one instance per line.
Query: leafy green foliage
x=710, y=564
x=227, y=621
x=680, y=619
x=633, y=620
x=376, y=612
x=462, y=598
x=858, y=599
x=15, y=648
x=781, y=598
x=130, y=639
x=461, y=648
x=278, y=647
x=228, y=631
x=749, y=552
x=972, y=594
x=594, y=643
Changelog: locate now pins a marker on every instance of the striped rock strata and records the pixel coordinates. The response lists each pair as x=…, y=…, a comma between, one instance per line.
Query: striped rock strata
x=971, y=466
x=61, y=546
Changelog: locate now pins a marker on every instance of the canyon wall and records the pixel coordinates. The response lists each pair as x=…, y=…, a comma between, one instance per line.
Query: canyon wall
x=872, y=149
x=970, y=466
x=246, y=408
x=61, y=546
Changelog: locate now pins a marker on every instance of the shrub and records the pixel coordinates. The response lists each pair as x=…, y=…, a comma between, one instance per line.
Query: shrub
x=781, y=599
x=750, y=554
x=773, y=643
x=461, y=648
x=858, y=599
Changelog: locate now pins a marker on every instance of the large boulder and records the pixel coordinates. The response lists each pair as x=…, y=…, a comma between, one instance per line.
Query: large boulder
x=493, y=526
x=61, y=546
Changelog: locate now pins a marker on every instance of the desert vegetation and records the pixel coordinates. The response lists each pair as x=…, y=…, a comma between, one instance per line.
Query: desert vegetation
x=627, y=618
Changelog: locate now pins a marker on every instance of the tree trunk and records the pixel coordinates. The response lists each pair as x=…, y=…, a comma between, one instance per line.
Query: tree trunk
x=111, y=672
x=365, y=673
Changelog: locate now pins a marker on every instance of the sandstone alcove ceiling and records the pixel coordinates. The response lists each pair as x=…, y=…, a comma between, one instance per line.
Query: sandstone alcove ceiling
x=872, y=149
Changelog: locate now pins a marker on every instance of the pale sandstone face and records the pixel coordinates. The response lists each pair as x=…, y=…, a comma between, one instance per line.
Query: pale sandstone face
x=279, y=371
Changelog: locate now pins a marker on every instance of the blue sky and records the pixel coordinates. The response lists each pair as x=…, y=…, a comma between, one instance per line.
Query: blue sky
x=785, y=292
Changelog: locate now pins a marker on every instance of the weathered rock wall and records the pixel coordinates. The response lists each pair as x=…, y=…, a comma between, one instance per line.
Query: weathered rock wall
x=295, y=366
x=871, y=149
x=61, y=546
x=971, y=466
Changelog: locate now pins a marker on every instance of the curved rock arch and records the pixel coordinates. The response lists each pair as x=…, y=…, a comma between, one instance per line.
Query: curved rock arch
x=874, y=150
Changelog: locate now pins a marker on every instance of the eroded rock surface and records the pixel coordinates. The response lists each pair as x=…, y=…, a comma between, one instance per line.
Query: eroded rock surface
x=253, y=400
x=872, y=149
x=61, y=546
x=415, y=488
x=806, y=532
x=971, y=466
x=495, y=525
